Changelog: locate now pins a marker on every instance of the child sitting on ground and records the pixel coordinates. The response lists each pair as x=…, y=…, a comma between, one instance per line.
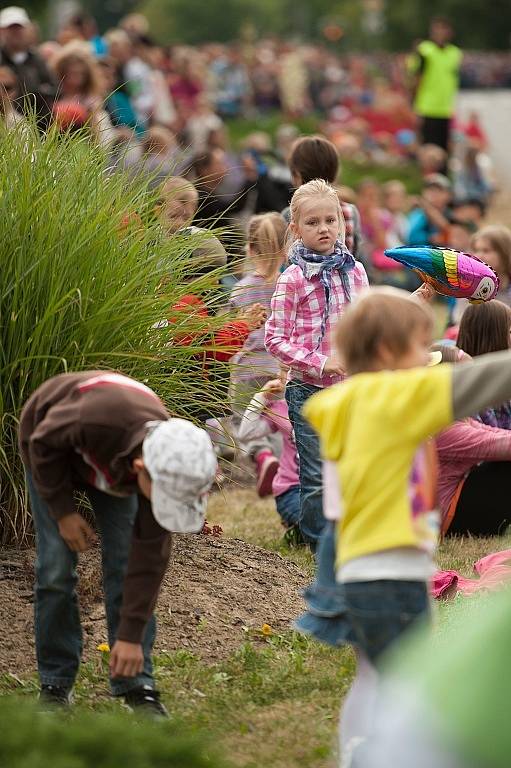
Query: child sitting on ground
x=191, y=317
x=267, y=414
x=310, y=296
x=460, y=234
x=486, y=328
x=492, y=245
x=427, y=222
x=178, y=205
x=472, y=458
x=373, y=431
x=253, y=365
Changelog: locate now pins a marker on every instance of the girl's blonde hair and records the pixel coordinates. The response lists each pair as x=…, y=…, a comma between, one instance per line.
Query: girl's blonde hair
x=316, y=188
x=267, y=240
x=499, y=238
x=178, y=187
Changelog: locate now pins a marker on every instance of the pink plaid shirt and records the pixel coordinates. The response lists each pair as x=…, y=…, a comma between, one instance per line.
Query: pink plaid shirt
x=293, y=329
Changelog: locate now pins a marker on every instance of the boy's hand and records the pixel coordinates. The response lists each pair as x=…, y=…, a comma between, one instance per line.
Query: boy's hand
x=76, y=532
x=332, y=367
x=254, y=316
x=425, y=292
x=126, y=659
x=273, y=389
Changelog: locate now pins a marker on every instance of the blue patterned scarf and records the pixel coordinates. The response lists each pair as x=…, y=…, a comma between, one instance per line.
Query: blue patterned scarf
x=313, y=264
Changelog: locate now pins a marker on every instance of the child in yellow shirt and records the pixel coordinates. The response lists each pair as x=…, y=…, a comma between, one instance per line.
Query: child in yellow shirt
x=379, y=477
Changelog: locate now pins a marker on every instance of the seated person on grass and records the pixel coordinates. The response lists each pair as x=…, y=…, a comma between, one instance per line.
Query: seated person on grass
x=428, y=222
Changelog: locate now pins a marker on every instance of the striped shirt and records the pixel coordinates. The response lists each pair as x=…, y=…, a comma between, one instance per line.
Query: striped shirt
x=293, y=330
x=253, y=361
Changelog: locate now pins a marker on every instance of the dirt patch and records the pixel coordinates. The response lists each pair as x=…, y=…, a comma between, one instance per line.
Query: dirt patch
x=214, y=590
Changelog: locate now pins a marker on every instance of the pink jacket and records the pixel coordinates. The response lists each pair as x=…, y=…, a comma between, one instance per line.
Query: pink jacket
x=263, y=417
x=460, y=448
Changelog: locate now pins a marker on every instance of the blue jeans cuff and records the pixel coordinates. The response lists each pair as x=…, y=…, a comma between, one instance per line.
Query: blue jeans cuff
x=122, y=687
x=58, y=682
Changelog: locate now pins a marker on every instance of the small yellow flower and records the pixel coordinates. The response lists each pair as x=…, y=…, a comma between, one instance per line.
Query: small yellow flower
x=266, y=630
x=103, y=647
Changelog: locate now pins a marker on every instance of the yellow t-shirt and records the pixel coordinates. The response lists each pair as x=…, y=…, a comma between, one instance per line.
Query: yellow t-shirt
x=372, y=426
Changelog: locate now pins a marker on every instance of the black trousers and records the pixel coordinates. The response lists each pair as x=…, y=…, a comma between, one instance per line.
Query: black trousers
x=484, y=507
x=436, y=130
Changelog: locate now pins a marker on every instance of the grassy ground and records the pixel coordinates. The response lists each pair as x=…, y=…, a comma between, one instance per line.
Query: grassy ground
x=275, y=701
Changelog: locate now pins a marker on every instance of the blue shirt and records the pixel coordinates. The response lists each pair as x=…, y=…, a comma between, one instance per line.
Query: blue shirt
x=420, y=229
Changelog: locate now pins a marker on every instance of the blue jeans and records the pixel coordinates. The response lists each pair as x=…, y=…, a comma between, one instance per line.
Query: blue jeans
x=381, y=611
x=288, y=505
x=58, y=632
x=307, y=444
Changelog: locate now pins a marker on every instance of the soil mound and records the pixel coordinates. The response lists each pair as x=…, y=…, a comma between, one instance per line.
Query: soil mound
x=215, y=589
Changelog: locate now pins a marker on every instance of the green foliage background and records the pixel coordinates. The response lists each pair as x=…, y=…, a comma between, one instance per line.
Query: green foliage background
x=478, y=24
x=193, y=21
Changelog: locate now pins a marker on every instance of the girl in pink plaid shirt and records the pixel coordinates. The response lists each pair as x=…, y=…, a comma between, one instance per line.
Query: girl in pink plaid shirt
x=310, y=296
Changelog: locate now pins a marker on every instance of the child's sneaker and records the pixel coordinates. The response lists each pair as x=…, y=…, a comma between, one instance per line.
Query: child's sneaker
x=146, y=701
x=293, y=537
x=267, y=468
x=53, y=697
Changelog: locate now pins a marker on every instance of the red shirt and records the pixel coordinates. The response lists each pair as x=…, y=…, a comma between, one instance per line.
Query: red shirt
x=225, y=341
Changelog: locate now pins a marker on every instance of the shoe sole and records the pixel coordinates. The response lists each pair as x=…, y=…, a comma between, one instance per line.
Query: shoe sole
x=265, y=481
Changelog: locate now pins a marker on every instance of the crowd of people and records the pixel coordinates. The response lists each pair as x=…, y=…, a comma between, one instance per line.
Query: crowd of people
x=174, y=102
x=352, y=467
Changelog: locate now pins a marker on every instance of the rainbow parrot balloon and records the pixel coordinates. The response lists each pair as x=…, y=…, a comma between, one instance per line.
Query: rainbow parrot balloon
x=451, y=273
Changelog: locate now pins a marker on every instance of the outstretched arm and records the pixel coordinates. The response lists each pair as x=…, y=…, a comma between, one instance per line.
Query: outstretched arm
x=484, y=383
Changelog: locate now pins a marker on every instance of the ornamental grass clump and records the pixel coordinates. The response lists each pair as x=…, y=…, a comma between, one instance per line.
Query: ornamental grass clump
x=87, y=276
x=31, y=739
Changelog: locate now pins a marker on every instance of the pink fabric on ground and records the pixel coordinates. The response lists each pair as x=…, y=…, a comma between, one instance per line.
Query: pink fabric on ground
x=493, y=570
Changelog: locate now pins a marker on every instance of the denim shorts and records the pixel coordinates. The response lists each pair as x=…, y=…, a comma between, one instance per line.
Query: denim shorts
x=379, y=612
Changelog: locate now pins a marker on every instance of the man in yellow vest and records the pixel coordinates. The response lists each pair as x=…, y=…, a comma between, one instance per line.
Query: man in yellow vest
x=436, y=65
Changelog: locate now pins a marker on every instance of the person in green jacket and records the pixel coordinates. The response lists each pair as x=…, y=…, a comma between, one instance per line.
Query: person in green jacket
x=436, y=65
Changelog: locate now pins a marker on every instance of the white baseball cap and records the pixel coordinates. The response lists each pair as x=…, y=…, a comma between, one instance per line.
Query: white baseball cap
x=181, y=461
x=13, y=15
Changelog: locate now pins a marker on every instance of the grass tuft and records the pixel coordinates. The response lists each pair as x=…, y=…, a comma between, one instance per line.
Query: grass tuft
x=82, y=258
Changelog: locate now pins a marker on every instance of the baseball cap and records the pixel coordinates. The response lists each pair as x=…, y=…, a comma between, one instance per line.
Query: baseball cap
x=181, y=461
x=13, y=15
x=437, y=180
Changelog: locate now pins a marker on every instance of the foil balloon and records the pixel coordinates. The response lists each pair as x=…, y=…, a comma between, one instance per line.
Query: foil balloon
x=450, y=272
